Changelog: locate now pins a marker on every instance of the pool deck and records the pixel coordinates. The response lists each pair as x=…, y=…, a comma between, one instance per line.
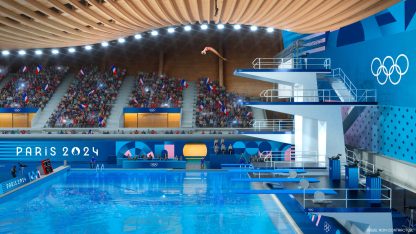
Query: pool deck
x=42, y=177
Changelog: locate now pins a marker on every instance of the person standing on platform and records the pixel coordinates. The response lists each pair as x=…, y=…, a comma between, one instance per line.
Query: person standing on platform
x=230, y=149
x=13, y=171
x=92, y=162
x=223, y=149
x=203, y=163
x=216, y=149
x=215, y=142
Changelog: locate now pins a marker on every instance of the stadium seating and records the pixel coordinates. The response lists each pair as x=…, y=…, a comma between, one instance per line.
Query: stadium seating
x=218, y=108
x=153, y=91
x=30, y=88
x=88, y=100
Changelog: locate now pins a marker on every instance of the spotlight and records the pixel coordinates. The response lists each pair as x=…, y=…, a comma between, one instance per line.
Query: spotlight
x=204, y=26
x=38, y=52
x=104, y=44
x=5, y=52
x=55, y=51
x=88, y=47
x=171, y=30
x=187, y=28
x=270, y=29
x=237, y=27
x=137, y=36
x=253, y=28
x=220, y=26
x=121, y=40
x=21, y=52
x=71, y=50
x=154, y=33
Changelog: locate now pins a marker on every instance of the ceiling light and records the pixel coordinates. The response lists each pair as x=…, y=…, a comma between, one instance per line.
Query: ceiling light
x=21, y=52
x=171, y=30
x=253, y=28
x=137, y=36
x=237, y=27
x=5, y=52
x=154, y=33
x=204, y=27
x=270, y=30
x=71, y=50
x=187, y=28
x=104, y=44
x=220, y=26
x=88, y=47
x=55, y=51
x=121, y=40
x=38, y=52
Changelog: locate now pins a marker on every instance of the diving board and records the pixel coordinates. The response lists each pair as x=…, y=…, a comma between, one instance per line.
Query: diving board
x=278, y=180
x=241, y=165
x=288, y=191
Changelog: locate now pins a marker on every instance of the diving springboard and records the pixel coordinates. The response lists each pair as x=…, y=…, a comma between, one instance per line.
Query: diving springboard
x=287, y=191
x=277, y=180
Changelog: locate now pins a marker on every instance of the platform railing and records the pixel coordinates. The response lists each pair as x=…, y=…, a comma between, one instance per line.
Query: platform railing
x=280, y=159
x=338, y=72
x=292, y=63
x=272, y=125
x=364, y=166
x=317, y=95
x=346, y=196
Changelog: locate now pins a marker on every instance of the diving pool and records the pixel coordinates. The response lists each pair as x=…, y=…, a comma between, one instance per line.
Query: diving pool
x=82, y=201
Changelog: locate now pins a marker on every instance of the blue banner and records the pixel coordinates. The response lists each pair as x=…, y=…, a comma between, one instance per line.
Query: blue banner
x=57, y=150
x=151, y=110
x=12, y=184
x=18, y=110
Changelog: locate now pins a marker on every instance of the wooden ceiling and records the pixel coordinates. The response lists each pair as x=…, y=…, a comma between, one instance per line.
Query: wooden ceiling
x=62, y=23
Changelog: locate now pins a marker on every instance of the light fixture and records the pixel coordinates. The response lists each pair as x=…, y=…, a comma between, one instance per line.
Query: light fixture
x=88, y=47
x=5, y=52
x=121, y=40
x=55, y=51
x=21, y=52
x=104, y=44
x=154, y=33
x=137, y=36
x=237, y=27
x=38, y=52
x=204, y=26
x=71, y=50
x=187, y=28
x=253, y=28
x=220, y=26
x=270, y=29
x=171, y=30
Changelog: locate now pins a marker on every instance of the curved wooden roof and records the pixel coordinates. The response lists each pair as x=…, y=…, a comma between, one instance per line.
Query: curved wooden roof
x=62, y=23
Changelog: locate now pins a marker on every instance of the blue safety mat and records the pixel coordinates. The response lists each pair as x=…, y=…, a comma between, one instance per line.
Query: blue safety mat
x=287, y=191
x=281, y=180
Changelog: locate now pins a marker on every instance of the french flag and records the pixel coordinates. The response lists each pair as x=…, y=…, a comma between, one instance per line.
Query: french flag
x=141, y=81
x=224, y=110
x=201, y=107
x=114, y=70
x=210, y=88
x=100, y=121
x=38, y=69
x=91, y=92
x=207, y=81
x=83, y=106
x=219, y=102
x=24, y=69
x=25, y=98
x=184, y=83
x=81, y=72
x=46, y=87
x=135, y=101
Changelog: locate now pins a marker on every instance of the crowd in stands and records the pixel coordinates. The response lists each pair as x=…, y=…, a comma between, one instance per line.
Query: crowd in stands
x=32, y=86
x=118, y=131
x=218, y=108
x=154, y=91
x=89, y=99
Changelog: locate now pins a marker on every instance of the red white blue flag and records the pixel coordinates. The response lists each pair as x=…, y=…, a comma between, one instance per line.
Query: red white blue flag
x=24, y=69
x=46, y=87
x=38, y=69
x=184, y=83
x=81, y=72
x=114, y=70
x=25, y=98
x=83, y=106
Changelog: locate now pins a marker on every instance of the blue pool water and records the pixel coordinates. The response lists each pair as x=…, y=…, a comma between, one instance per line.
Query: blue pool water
x=141, y=202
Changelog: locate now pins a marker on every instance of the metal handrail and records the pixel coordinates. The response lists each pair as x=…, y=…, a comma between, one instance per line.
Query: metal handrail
x=272, y=124
x=347, y=199
x=292, y=63
x=338, y=72
x=318, y=95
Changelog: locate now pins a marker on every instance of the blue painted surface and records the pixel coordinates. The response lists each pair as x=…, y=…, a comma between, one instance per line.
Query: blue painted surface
x=312, y=103
x=287, y=191
x=12, y=184
x=283, y=70
x=151, y=110
x=130, y=164
x=267, y=170
x=334, y=169
x=373, y=192
x=140, y=202
x=351, y=176
x=282, y=180
x=18, y=110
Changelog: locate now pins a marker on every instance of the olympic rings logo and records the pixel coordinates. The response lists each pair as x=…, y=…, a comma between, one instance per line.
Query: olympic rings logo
x=327, y=227
x=154, y=164
x=388, y=72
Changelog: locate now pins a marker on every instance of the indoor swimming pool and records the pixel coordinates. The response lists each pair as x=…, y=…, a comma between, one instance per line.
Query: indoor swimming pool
x=162, y=201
